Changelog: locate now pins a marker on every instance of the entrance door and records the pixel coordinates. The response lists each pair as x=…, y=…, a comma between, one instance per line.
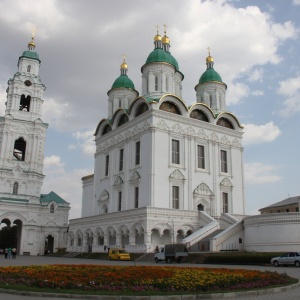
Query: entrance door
x=49, y=244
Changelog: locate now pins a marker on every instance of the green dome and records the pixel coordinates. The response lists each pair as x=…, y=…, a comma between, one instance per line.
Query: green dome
x=210, y=75
x=123, y=81
x=30, y=54
x=160, y=55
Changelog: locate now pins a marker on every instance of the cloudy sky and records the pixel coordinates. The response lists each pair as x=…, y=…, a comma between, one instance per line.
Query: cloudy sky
x=255, y=45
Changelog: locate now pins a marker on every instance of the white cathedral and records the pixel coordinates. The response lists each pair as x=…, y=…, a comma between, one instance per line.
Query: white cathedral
x=41, y=219
x=164, y=171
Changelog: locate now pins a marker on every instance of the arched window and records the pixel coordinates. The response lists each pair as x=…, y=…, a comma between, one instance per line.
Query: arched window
x=199, y=115
x=141, y=109
x=25, y=103
x=28, y=68
x=106, y=129
x=167, y=83
x=79, y=241
x=52, y=208
x=225, y=123
x=156, y=83
x=123, y=120
x=19, y=149
x=15, y=188
x=170, y=107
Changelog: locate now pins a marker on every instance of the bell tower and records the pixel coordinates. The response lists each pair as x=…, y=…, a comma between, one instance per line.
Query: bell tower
x=22, y=132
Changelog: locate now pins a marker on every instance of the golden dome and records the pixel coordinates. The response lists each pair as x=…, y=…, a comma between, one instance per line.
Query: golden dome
x=157, y=38
x=124, y=65
x=209, y=59
x=165, y=40
x=31, y=43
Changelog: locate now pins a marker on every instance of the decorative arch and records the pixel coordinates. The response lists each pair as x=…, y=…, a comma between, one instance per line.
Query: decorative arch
x=170, y=107
x=199, y=115
x=142, y=108
x=203, y=198
x=224, y=122
x=25, y=103
x=106, y=129
x=122, y=120
x=20, y=149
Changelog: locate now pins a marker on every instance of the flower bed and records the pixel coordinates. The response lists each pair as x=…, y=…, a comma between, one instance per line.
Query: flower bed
x=138, y=279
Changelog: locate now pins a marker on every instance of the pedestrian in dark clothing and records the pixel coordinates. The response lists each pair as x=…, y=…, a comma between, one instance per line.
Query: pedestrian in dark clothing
x=14, y=253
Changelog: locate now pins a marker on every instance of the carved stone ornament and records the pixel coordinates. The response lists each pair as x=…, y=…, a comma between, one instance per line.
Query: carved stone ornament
x=236, y=143
x=214, y=137
x=104, y=196
x=162, y=125
x=177, y=128
x=135, y=176
x=177, y=175
x=225, y=141
x=203, y=189
x=118, y=181
x=226, y=183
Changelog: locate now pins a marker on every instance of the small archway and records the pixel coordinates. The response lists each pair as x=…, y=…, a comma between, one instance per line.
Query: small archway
x=20, y=149
x=49, y=244
x=25, y=103
x=200, y=207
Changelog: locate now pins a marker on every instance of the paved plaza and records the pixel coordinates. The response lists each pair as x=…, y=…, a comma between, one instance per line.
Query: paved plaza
x=289, y=293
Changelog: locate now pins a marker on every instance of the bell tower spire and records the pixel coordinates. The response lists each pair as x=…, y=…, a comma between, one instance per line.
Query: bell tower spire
x=22, y=132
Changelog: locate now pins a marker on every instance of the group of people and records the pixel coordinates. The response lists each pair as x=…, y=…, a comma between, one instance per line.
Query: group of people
x=10, y=253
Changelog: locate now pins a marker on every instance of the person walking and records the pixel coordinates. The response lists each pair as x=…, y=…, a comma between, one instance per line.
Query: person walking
x=9, y=253
x=5, y=252
x=14, y=253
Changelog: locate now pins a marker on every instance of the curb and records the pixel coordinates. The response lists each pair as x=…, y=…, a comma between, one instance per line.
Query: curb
x=157, y=297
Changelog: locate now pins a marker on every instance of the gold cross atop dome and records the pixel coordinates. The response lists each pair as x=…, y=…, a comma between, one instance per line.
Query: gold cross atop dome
x=157, y=37
x=157, y=28
x=209, y=58
x=208, y=49
x=124, y=64
x=33, y=32
x=165, y=28
x=31, y=44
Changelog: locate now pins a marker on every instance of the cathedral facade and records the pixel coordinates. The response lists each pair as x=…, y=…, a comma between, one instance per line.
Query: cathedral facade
x=41, y=219
x=163, y=170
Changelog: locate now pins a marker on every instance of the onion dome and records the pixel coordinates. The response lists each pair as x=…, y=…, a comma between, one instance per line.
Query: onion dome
x=30, y=53
x=157, y=37
x=210, y=74
x=161, y=52
x=123, y=81
x=160, y=55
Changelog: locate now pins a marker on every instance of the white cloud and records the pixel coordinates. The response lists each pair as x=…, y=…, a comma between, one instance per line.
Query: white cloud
x=257, y=134
x=257, y=93
x=296, y=2
x=86, y=141
x=66, y=184
x=46, y=15
x=258, y=173
x=236, y=92
x=291, y=89
x=256, y=75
